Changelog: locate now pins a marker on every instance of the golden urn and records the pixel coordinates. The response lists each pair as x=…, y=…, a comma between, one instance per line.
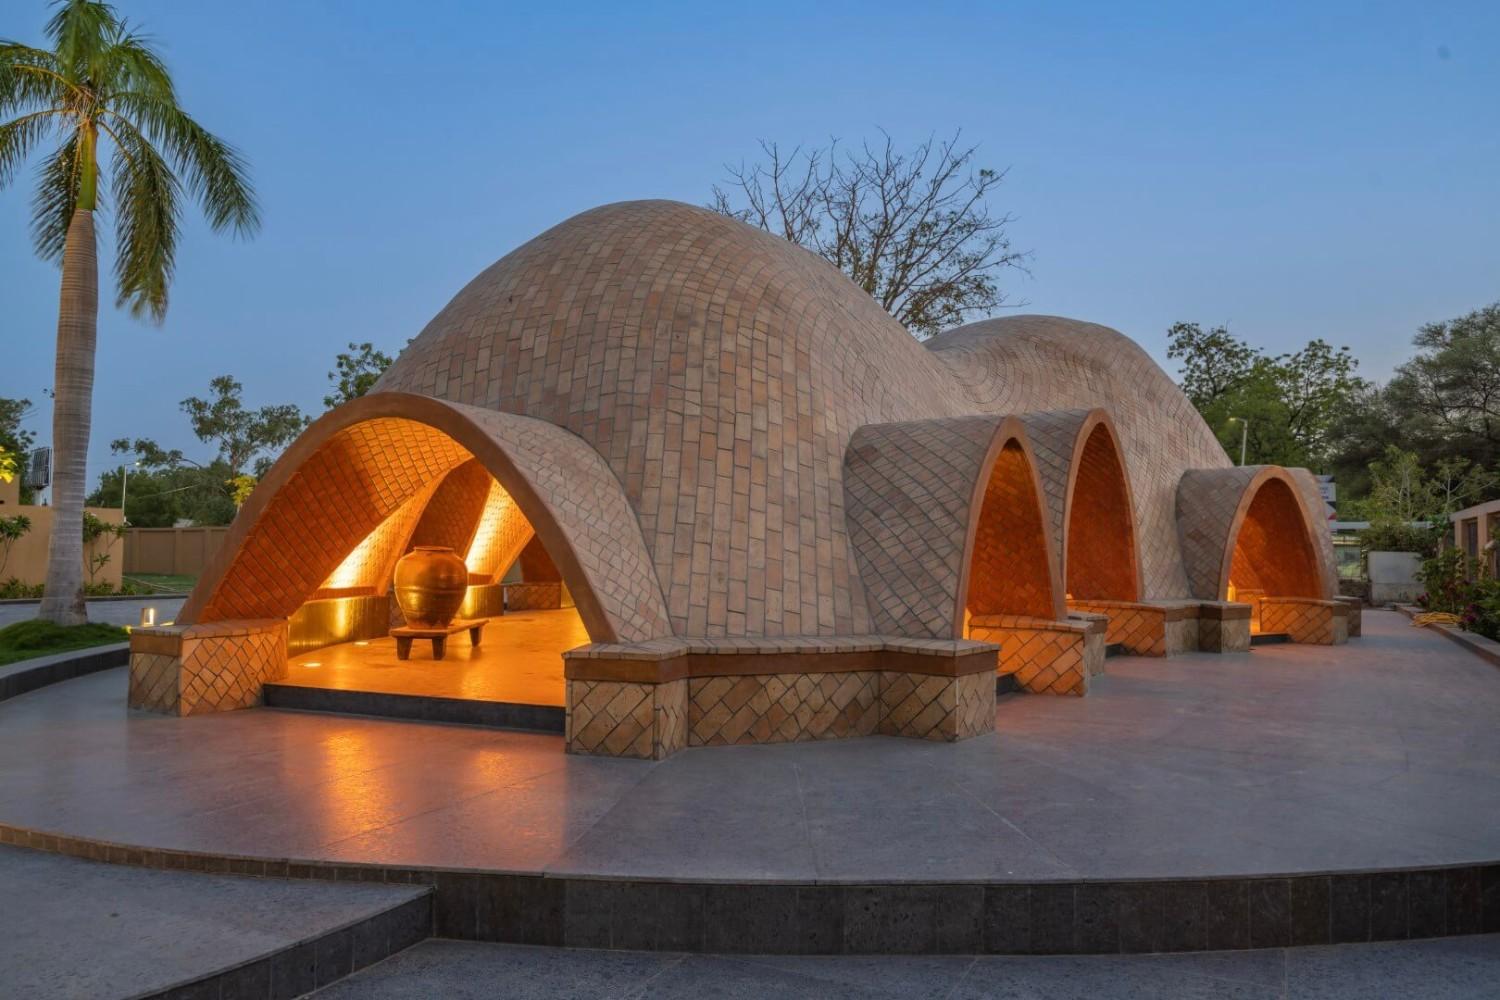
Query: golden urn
x=431, y=581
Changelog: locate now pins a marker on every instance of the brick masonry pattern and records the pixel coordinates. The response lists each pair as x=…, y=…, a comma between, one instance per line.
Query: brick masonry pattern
x=1316, y=622
x=1046, y=657
x=629, y=719
x=908, y=494
x=1088, y=502
x=190, y=670
x=721, y=373
x=1257, y=510
x=358, y=475
x=1032, y=364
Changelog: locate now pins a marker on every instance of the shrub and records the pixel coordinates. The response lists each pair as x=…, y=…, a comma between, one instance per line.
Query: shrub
x=1446, y=577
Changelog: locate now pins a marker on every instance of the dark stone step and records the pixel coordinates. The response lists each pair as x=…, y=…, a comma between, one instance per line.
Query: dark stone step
x=418, y=708
x=1269, y=639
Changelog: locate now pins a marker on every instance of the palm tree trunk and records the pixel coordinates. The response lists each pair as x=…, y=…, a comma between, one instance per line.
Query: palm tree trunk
x=72, y=407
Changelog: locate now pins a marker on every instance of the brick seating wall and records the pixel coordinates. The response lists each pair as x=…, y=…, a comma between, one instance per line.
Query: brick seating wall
x=652, y=699
x=1046, y=656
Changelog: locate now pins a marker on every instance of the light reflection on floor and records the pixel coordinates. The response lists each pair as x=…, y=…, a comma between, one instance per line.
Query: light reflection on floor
x=519, y=660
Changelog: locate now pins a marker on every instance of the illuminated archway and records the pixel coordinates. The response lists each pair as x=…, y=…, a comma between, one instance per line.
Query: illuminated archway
x=373, y=458
x=1010, y=569
x=1272, y=552
x=1099, y=549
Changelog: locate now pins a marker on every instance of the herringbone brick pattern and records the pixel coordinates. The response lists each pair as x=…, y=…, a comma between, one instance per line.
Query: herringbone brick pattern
x=1100, y=542
x=1251, y=518
x=1027, y=364
x=454, y=512
x=373, y=561
x=499, y=537
x=1013, y=568
x=1140, y=628
x=1088, y=502
x=1317, y=516
x=1046, y=657
x=908, y=496
x=343, y=487
x=1316, y=622
x=154, y=681
x=975, y=713
x=782, y=708
x=217, y=667
x=612, y=718
x=720, y=371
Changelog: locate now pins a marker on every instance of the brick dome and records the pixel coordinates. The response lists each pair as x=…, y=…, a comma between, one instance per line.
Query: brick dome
x=722, y=375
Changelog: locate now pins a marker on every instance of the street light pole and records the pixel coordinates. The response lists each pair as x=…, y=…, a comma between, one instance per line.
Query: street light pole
x=125, y=486
x=1244, y=435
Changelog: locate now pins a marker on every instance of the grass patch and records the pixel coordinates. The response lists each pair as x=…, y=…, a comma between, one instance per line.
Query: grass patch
x=163, y=583
x=23, y=640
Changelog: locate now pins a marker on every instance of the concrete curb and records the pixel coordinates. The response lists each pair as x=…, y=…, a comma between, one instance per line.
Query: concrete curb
x=1486, y=649
x=39, y=671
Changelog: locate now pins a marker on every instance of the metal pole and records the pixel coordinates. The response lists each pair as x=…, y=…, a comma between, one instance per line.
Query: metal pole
x=125, y=485
x=1244, y=433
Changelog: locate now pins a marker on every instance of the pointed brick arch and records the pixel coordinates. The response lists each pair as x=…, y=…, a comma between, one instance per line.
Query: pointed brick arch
x=1100, y=561
x=1010, y=566
x=360, y=463
x=1247, y=526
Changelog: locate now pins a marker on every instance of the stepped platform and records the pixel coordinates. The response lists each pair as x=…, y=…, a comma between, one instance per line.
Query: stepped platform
x=1291, y=794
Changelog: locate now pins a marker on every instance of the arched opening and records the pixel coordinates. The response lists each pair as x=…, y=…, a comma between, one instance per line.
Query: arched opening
x=1099, y=544
x=318, y=543
x=1009, y=569
x=1272, y=551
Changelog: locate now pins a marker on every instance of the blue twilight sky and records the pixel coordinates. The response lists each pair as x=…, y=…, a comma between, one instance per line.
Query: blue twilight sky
x=1297, y=170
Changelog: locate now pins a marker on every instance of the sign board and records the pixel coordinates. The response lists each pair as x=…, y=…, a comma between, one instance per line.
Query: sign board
x=1330, y=493
x=39, y=469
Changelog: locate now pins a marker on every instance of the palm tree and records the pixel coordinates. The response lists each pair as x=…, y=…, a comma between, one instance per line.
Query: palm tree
x=103, y=86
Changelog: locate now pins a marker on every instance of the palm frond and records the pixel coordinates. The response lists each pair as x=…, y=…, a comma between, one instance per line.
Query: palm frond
x=19, y=137
x=56, y=197
x=130, y=64
x=30, y=79
x=213, y=171
x=146, y=222
x=80, y=31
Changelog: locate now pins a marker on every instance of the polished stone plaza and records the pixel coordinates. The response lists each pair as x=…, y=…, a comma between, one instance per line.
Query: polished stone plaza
x=1287, y=759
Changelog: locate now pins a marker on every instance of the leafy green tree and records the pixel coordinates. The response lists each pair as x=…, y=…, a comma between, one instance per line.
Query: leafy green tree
x=355, y=373
x=1450, y=390
x=1290, y=404
x=242, y=435
x=100, y=94
x=16, y=441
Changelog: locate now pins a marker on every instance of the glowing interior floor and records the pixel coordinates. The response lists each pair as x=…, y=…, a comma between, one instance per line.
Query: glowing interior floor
x=519, y=660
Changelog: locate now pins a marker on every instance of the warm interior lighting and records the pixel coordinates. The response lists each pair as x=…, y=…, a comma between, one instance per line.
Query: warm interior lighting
x=351, y=571
x=313, y=663
x=1231, y=590
x=148, y=617
x=361, y=642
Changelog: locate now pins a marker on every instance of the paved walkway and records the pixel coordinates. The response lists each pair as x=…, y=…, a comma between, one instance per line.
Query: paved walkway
x=1380, y=753
x=1442, y=969
x=74, y=928
x=122, y=612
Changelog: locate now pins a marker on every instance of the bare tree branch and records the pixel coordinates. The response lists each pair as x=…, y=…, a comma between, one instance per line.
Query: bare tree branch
x=912, y=229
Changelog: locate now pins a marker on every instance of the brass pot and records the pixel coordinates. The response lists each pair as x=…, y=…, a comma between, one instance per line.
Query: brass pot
x=431, y=581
